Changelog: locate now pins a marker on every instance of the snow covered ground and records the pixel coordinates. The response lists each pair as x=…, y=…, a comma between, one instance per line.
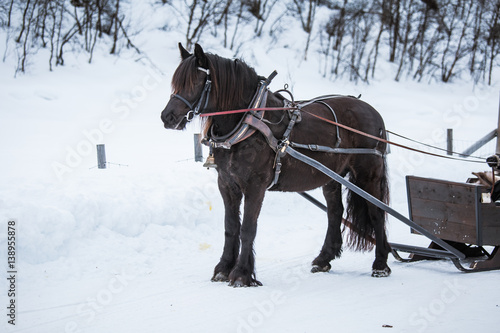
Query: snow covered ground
x=132, y=248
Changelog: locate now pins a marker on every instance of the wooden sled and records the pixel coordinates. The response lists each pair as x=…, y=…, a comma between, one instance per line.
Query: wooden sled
x=456, y=214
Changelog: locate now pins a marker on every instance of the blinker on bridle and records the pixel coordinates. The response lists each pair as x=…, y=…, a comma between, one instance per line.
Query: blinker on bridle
x=201, y=102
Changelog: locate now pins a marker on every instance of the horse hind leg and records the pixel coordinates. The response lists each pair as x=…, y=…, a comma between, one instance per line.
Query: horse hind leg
x=378, y=218
x=382, y=247
x=369, y=220
x=332, y=247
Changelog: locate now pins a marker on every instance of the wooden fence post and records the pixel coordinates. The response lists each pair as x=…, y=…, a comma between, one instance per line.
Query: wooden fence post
x=101, y=157
x=198, y=151
x=449, y=141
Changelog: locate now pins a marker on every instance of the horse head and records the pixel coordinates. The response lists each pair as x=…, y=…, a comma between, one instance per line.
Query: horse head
x=206, y=83
x=191, y=85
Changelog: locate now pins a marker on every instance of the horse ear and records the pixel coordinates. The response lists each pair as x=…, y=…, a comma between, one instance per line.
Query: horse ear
x=200, y=56
x=184, y=53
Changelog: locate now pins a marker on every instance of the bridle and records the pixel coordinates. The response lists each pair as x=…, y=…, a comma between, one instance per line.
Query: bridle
x=201, y=102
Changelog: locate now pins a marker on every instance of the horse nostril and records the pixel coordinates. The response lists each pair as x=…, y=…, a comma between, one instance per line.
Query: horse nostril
x=163, y=116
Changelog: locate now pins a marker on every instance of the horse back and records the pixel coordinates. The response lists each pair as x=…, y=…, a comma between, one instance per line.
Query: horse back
x=345, y=110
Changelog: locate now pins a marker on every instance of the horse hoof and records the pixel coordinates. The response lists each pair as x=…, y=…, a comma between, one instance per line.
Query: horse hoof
x=220, y=277
x=239, y=283
x=319, y=269
x=381, y=272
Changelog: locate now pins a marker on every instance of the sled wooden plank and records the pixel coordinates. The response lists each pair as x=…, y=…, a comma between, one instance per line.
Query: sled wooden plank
x=444, y=211
x=457, y=232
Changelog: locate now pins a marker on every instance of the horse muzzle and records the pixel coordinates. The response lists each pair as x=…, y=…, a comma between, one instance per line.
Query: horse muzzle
x=172, y=119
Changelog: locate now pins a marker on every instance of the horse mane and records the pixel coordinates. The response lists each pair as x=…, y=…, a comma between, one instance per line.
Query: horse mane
x=233, y=81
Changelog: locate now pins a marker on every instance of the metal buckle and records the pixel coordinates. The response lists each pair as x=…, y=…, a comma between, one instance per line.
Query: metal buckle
x=282, y=146
x=190, y=115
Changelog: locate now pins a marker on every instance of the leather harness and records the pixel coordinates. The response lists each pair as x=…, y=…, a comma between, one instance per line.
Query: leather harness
x=254, y=121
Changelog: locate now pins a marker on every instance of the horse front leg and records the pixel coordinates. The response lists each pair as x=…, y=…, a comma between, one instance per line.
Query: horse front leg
x=243, y=274
x=231, y=195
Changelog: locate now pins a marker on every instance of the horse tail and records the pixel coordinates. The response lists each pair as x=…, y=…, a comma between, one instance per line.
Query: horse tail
x=362, y=230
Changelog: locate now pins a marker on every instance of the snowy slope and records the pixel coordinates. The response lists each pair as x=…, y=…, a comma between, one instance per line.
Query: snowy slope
x=132, y=248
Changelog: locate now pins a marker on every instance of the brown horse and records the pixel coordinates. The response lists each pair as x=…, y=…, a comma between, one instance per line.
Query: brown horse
x=250, y=160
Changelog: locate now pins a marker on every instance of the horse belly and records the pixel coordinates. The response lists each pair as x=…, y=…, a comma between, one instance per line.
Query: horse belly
x=296, y=176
